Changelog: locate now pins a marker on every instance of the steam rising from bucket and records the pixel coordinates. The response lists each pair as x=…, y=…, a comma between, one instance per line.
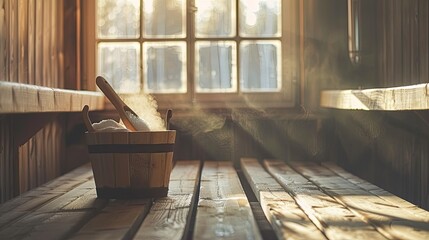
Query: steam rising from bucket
x=146, y=108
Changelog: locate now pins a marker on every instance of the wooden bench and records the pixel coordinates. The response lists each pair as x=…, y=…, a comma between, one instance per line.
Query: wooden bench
x=34, y=106
x=213, y=200
x=34, y=121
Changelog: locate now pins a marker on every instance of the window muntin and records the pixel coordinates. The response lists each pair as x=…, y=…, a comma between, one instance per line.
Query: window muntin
x=198, y=72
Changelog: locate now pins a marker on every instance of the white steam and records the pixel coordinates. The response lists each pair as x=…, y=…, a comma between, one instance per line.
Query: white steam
x=146, y=108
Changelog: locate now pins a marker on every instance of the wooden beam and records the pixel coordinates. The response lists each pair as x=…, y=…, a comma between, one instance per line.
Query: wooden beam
x=413, y=97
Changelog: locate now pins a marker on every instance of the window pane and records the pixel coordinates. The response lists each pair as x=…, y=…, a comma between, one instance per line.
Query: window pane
x=119, y=64
x=260, y=66
x=164, y=18
x=215, y=18
x=260, y=18
x=164, y=67
x=118, y=19
x=216, y=66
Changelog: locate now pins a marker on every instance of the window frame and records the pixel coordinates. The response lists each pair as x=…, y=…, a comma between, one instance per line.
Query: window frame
x=289, y=69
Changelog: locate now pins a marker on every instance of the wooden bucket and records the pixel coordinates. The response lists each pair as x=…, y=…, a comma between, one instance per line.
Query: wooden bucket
x=131, y=164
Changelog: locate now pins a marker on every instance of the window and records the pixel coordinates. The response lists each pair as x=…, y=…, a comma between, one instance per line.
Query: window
x=227, y=52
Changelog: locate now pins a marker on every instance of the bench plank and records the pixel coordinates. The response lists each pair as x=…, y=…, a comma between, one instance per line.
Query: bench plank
x=169, y=217
x=391, y=220
x=118, y=220
x=395, y=200
x=335, y=220
x=286, y=217
x=223, y=209
x=55, y=215
x=31, y=200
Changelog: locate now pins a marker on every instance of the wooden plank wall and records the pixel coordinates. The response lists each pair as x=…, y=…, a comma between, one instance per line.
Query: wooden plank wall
x=390, y=149
x=396, y=144
x=403, y=40
x=31, y=51
x=248, y=134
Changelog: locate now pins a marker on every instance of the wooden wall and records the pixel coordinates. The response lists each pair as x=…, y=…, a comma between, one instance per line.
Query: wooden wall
x=403, y=40
x=390, y=149
x=31, y=51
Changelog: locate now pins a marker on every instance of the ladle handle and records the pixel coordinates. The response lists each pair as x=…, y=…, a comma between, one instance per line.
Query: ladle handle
x=110, y=93
x=86, y=120
x=117, y=102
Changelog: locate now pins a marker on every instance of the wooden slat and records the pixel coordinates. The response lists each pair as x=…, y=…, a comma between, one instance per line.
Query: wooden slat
x=12, y=42
x=423, y=16
x=38, y=77
x=381, y=193
x=223, y=209
x=3, y=39
x=20, y=98
x=169, y=217
x=413, y=97
x=22, y=41
x=334, y=219
x=286, y=217
x=121, y=163
x=118, y=220
x=106, y=161
x=31, y=21
x=391, y=220
x=31, y=200
x=53, y=219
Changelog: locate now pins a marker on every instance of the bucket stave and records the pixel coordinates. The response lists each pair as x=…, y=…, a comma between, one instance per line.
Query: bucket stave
x=131, y=164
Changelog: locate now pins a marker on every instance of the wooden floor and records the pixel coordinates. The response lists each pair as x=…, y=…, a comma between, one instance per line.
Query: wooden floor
x=292, y=200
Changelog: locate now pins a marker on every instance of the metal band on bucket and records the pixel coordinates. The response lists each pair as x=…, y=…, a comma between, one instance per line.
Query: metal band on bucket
x=131, y=148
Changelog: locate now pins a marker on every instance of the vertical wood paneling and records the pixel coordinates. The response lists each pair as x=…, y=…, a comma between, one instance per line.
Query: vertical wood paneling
x=46, y=43
x=38, y=67
x=31, y=22
x=397, y=42
x=30, y=48
x=423, y=26
x=414, y=58
x=3, y=37
x=403, y=42
x=71, y=40
x=389, y=42
x=53, y=45
x=12, y=45
x=406, y=42
x=22, y=41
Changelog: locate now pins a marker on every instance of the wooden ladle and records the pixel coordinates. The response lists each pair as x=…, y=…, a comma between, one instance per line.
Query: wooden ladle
x=117, y=102
x=86, y=119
